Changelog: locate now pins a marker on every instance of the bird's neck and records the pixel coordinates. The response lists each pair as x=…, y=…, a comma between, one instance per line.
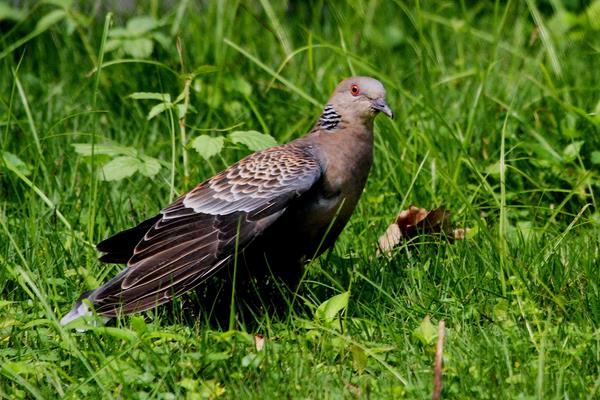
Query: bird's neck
x=333, y=119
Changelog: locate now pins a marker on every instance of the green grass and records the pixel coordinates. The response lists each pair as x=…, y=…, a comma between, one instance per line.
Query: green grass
x=498, y=120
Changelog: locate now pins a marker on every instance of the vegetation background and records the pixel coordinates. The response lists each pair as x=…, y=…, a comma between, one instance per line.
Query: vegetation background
x=498, y=119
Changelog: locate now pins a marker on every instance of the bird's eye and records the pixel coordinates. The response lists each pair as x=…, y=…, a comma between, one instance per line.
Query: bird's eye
x=354, y=90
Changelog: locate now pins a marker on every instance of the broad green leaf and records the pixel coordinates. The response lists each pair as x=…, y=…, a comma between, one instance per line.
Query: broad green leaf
x=49, y=19
x=85, y=149
x=138, y=47
x=162, y=39
x=240, y=85
x=208, y=146
x=596, y=157
x=157, y=109
x=117, y=333
x=112, y=44
x=253, y=140
x=119, y=168
x=8, y=12
x=571, y=152
x=328, y=311
x=139, y=25
x=426, y=332
x=164, y=97
x=359, y=358
x=149, y=166
x=593, y=14
x=118, y=32
x=14, y=163
x=205, y=69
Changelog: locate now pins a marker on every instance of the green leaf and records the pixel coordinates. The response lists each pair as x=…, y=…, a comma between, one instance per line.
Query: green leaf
x=119, y=168
x=188, y=384
x=157, y=109
x=596, y=157
x=240, y=85
x=208, y=146
x=181, y=110
x=49, y=19
x=253, y=140
x=138, y=324
x=8, y=12
x=211, y=389
x=426, y=332
x=164, y=97
x=85, y=149
x=252, y=360
x=571, y=152
x=112, y=44
x=21, y=367
x=218, y=356
x=149, y=166
x=359, y=358
x=328, y=311
x=118, y=33
x=60, y=3
x=493, y=169
x=205, y=69
x=117, y=333
x=139, y=25
x=14, y=163
x=593, y=14
x=138, y=47
x=162, y=39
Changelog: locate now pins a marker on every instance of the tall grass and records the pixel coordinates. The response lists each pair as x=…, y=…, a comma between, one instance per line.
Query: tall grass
x=497, y=119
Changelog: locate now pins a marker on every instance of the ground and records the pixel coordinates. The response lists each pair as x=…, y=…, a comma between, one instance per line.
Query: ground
x=497, y=119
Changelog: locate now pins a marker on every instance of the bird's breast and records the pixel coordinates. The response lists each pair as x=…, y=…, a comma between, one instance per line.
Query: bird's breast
x=325, y=211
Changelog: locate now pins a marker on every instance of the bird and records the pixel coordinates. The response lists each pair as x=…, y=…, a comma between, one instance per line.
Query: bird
x=262, y=219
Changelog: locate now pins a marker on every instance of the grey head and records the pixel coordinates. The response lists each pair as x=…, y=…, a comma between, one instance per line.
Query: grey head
x=359, y=98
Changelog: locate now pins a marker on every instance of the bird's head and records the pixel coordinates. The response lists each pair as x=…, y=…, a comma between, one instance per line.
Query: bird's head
x=360, y=97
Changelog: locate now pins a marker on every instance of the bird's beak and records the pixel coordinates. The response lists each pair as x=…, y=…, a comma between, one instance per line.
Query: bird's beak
x=381, y=105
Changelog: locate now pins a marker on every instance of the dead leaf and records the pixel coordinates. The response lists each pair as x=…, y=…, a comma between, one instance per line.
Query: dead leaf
x=259, y=342
x=417, y=221
x=461, y=233
x=354, y=389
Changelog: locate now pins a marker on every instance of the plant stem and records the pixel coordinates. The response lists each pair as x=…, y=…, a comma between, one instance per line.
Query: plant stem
x=182, y=129
x=94, y=184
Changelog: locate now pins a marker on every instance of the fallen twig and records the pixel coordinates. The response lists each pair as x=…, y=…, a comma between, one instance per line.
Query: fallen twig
x=439, y=351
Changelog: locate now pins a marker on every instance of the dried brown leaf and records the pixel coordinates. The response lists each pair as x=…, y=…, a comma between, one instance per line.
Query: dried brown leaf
x=416, y=221
x=259, y=342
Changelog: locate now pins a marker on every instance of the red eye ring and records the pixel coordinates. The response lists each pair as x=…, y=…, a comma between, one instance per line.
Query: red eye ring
x=354, y=90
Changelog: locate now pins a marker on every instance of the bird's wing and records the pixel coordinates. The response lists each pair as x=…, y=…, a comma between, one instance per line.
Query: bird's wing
x=201, y=230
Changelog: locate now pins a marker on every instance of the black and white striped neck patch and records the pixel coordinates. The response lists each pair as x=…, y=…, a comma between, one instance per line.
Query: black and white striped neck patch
x=329, y=119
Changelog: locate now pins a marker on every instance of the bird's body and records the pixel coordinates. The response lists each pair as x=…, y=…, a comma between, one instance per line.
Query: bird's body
x=264, y=217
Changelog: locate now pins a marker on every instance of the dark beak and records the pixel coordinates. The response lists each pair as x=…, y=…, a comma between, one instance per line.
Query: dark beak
x=381, y=105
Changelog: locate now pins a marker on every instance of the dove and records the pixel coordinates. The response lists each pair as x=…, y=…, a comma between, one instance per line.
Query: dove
x=253, y=227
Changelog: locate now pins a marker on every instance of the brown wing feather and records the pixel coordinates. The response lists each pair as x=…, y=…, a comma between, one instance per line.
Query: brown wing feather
x=198, y=233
